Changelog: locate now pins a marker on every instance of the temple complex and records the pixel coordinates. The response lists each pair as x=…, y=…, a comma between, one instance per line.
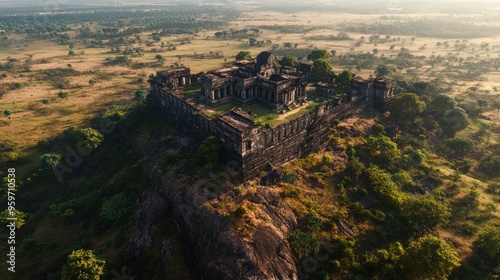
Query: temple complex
x=250, y=144
x=260, y=79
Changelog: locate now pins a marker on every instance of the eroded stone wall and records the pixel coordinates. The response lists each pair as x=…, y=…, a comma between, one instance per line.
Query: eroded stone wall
x=297, y=138
x=259, y=147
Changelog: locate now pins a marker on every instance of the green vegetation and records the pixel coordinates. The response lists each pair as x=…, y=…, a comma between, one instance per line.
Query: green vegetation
x=318, y=54
x=242, y=55
x=209, y=152
x=83, y=265
x=373, y=202
x=322, y=71
x=288, y=61
x=428, y=257
x=344, y=79
x=90, y=138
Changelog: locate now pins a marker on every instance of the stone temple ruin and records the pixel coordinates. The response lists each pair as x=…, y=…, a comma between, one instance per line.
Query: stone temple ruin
x=253, y=146
x=250, y=80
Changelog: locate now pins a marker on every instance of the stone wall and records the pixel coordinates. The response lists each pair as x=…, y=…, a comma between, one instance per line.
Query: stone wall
x=256, y=148
x=297, y=138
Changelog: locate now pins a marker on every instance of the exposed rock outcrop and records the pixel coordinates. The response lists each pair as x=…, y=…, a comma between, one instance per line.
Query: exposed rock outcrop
x=153, y=209
x=217, y=248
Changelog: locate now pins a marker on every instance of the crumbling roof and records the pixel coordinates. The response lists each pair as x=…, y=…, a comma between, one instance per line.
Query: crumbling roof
x=264, y=58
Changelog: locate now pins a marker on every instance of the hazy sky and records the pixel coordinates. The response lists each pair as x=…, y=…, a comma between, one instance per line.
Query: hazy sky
x=350, y=3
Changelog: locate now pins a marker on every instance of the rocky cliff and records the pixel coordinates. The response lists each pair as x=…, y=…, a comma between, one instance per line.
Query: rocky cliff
x=218, y=246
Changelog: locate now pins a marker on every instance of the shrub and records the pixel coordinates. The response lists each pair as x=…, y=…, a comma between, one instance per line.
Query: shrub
x=491, y=166
x=303, y=243
x=458, y=147
x=49, y=161
x=290, y=178
x=90, y=138
x=116, y=207
x=238, y=190
x=63, y=94
x=46, y=101
x=212, y=186
x=240, y=211
x=141, y=95
x=291, y=192
x=209, y=150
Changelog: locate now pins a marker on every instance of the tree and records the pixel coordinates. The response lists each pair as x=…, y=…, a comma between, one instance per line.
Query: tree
x=49, y=161
x=428, y=257
x=424, y=214
x=459, y=147
x=116, y=207
x=7, y=113
x=243, y=55
x=288, y=61
x=406, y=108
x=322, y=71
x=159, y=58
x=487, y=245
x=491, y=166
x=380, y=182
x=6, y=215
x=92, y=82
x=318, y=54
x=90, y=138
x=454, y=121
x=382, y=70
x=252, y=41
x=344, y=79
x=209, y=152
x=443, y=104
x=83, y=265
x=383, y=150
x=141, y=95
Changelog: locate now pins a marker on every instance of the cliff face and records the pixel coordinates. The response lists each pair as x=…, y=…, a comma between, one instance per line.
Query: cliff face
x=217, y=247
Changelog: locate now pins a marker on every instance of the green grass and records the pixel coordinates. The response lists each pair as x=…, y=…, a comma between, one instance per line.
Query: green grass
x=192, y=92
x=265, y=114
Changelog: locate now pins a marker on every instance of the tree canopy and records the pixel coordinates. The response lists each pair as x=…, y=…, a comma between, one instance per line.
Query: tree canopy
x=344, y=79
x=423, y=214
x=454, y=121
x=49, y=161
x=382, y=71
x=318, y=54
x=443, y=104
x=90, y=138
x=209, y=152
x=322, y=71
x=243, y=55
x=288, y=61
x=83, y=265
x=428, y=257
x=406, y=108
x=487, y=244
x=383, y=150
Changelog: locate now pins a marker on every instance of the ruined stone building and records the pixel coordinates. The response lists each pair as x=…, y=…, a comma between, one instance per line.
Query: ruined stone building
x=174, y=78
x=251, y=145
x=254, y=80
